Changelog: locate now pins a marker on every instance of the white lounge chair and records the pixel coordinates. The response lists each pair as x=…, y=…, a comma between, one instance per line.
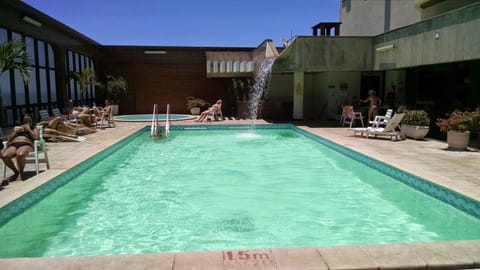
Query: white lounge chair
x=62, y=138
x=390, y=130
x=382, y=120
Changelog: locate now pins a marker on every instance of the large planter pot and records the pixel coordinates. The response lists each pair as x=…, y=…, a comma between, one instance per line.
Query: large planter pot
x=415, y=132
x=458, y=140
x=195, y=110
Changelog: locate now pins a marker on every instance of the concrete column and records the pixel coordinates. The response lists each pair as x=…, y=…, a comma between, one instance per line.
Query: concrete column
x=298, y=84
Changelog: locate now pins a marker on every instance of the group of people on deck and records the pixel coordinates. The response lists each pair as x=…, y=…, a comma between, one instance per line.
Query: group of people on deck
x=21, y=141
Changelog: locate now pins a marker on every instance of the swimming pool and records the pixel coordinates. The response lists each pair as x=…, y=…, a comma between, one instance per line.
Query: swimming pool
x=224, y=214
x=148, y=117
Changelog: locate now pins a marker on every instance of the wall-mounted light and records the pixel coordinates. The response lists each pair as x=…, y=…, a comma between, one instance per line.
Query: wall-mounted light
x=31, y=21
x=385, y=48
x=154, y=52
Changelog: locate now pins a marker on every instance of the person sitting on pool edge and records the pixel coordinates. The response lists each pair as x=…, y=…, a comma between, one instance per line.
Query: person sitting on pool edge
x=19, y=145
x=215, y=108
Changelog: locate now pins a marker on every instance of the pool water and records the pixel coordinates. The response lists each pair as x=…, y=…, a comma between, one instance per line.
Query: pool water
x=215, y=190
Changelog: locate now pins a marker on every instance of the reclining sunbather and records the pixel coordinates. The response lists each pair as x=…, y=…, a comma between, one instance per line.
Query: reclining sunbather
x=215, y=108
x=57, y=126
x=85, y=114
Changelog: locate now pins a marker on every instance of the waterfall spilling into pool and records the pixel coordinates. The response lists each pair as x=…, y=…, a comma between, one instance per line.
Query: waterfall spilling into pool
x=257, y=90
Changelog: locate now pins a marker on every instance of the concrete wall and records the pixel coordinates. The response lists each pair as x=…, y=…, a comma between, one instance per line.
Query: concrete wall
x=322, y=95
x=443, y=7
x=383, y=16
x=317, y=54
x=448, y=38
x=328, y=97
x=403, y=13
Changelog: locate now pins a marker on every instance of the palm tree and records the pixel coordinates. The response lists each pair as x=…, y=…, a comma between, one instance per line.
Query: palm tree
x=13, y=56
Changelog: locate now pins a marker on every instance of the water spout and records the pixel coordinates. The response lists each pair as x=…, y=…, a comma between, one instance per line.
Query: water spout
x=257, y=90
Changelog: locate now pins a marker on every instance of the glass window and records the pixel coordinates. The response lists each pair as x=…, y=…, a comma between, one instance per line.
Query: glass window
x=30, y=43
x=77, y=63
x=5, y=88
x=51, y=57
x=3, y=35
x=16, y=36
x=32, y=89
x=72, y=89
x=41, y=53
x=70, y=60
x=43, y=86
x=53, y=88
x=82, y=62
x=19, y=88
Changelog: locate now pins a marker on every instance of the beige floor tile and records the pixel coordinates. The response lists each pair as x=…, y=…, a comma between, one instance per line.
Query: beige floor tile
x=347, y=257
x=160, y=261
x=198, y=260
x=298, y=258
x=442, y=254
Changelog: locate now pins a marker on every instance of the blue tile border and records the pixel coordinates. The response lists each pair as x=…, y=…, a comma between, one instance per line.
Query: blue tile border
x=450, y=197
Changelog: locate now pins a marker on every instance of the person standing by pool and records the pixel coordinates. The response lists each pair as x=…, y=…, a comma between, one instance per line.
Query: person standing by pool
x=19, y=145
x=374, y=102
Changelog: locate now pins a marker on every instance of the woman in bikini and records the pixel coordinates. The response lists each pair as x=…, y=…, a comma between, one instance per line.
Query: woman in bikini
x=215, y=108
x=19, y=144
x=374, y=102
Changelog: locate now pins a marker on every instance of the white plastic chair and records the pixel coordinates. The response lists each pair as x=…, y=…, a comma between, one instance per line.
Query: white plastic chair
x=108, y=118
x=349, y=116
x=39, y=154
x=382, y=120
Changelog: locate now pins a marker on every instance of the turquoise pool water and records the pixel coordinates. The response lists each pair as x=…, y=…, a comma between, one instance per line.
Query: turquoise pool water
x=148, y=117
x=228, y=189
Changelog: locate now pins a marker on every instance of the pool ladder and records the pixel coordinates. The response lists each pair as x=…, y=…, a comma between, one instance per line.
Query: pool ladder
x=155, y=125
x=167, y=121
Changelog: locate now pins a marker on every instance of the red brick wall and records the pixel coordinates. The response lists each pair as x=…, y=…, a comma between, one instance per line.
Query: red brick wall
x=162, y=78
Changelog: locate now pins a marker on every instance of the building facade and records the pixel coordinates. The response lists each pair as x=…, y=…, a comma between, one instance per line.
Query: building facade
x=419, y=53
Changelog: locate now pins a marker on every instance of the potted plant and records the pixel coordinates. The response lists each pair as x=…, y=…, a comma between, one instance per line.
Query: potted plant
x=116, y=86
x=458, y=126
x=415, y=124
x=195, y=105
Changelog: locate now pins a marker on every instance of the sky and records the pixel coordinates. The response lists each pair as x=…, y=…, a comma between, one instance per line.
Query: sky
x=196, y=23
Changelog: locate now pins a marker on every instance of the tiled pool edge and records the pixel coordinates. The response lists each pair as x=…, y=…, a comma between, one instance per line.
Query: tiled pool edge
x=24, y=202
x=436, y=255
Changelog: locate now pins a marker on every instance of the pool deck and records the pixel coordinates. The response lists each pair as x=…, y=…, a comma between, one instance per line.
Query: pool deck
x=428, y=159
